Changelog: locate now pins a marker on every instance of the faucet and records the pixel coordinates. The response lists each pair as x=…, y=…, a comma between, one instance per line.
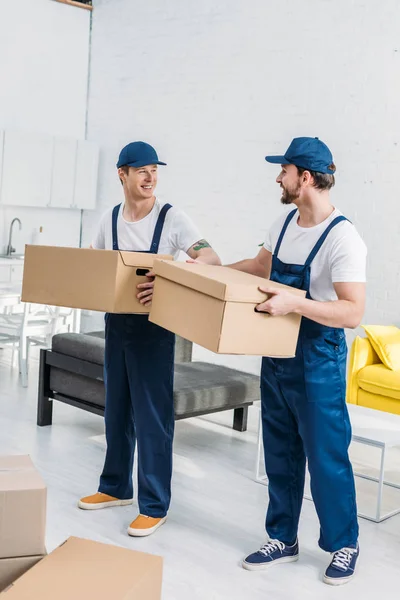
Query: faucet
x=10, y=249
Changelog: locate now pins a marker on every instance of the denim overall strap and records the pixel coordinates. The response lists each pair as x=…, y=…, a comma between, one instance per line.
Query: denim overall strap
x=115, y=213
x=282, y=233
x=158, y=229
x=321, y=240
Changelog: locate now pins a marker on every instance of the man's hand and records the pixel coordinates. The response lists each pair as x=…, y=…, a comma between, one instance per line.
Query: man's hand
x=280, y=302
x=197, y=261
x=145, y=296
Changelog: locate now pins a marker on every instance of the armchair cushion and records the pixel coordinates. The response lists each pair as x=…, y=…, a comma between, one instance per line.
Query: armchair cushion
x=362, y=354
x=378, y=379
x=386, y=343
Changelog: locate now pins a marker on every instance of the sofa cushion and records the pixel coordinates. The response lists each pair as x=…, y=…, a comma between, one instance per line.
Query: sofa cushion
x=77, y=386
x=378, y=379
x=80, y=345
x=201, y=387
x=90, y=346
x=385, y=340
x=198, y=387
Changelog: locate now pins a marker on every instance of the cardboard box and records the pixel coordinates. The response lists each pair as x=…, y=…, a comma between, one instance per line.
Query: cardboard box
x=22, y=508
x=12, y=568
x=86, y=570
x=214, y=307
x=103, y=280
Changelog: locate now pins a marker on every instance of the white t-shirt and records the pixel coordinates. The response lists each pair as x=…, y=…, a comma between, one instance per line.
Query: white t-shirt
x=179, y=232
x=341, y=258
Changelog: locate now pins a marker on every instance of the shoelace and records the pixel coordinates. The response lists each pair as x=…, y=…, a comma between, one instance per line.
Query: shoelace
x=342, y=558
x=271, y=546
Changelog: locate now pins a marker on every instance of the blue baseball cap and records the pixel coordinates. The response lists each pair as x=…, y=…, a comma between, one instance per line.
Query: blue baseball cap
x=138, y=154
x=307, y=153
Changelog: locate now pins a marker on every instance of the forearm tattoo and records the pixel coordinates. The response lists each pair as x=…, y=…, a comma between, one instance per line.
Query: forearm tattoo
x=200, y=245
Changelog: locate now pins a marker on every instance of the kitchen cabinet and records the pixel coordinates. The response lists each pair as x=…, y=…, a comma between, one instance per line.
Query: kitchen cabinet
x=87, y=161
x=27, y=165
x=63, y=173
x=47, y=171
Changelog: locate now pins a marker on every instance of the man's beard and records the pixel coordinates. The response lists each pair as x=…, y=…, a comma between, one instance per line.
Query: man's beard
x=289, y=196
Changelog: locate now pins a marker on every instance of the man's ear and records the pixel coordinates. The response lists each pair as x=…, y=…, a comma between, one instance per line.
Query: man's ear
x=121, y=175
x=307, y=177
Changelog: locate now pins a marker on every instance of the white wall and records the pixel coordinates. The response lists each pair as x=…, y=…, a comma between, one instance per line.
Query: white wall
x=217, y=84
x=44, y=56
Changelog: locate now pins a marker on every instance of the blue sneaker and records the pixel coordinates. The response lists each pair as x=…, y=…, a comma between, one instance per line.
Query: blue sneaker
x=342, y=566
x=273, y=552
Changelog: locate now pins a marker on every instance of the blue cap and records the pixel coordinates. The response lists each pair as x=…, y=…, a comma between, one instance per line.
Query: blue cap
x=307, y=153
x=138, y=154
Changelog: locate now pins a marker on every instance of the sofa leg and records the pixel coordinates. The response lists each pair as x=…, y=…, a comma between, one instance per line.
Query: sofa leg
x=45, y=404
x=240, y=418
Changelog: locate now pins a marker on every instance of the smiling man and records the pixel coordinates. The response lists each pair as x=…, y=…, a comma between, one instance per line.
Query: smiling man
x=304, y=414
x=139, y=356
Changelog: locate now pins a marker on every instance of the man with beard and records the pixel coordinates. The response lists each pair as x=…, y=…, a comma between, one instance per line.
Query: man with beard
x=304, y=415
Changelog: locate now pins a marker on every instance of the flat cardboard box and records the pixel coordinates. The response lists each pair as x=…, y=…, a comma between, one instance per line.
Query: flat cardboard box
x=86, y=570
x=12, y=568
x=214, y=307
x=22, y=508
x=103, y=280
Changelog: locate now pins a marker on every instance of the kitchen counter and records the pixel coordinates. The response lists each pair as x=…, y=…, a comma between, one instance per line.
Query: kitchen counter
x=11, y=262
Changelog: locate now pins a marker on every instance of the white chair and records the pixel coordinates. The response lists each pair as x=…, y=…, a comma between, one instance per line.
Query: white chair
x=36, y=324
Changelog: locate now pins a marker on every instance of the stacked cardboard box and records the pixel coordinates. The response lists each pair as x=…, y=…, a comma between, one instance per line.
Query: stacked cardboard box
x=22, y=517
x=79, y=568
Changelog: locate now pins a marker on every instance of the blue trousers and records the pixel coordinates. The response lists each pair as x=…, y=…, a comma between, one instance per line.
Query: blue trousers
x=139, y=367
x=304, y=417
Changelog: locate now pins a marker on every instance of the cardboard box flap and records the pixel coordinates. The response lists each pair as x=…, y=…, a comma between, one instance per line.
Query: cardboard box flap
x=141, y=259
x=82, y=568
x=12, y=568
x=222, y=283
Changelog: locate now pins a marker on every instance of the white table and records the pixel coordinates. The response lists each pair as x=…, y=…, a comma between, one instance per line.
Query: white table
x=372, y=428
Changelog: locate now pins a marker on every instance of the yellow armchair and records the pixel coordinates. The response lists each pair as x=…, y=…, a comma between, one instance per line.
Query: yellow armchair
x=369, y=382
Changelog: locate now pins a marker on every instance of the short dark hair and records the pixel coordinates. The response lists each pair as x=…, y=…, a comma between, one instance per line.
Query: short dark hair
x=125, y=169
x=322, y=181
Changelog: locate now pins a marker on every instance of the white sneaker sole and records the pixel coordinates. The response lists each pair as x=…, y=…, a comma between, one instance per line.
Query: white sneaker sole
x=263, y=566
x=145, y=532
x=338, y=581
x=98, y=505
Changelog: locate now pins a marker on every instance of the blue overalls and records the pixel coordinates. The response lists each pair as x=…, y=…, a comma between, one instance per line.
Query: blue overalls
x=139, y=370
x=304, y=416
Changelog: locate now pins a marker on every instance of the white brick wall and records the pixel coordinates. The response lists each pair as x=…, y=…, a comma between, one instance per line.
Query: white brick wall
x=217, y=84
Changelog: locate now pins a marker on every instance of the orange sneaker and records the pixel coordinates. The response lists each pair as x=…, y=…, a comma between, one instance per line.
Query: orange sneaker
x=100, y=500
x=144, y=525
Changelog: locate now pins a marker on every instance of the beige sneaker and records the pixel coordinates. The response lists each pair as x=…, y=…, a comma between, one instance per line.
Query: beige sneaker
x=144, y=525
x=100, y=500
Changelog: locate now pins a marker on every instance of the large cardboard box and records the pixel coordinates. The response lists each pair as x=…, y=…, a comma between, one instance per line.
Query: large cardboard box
x=85, y=570
x=103, y=280
x=215, y=308
x=12, y=568
x=22, y=508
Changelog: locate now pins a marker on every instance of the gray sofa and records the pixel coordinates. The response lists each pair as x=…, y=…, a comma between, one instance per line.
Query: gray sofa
x=72, y=372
